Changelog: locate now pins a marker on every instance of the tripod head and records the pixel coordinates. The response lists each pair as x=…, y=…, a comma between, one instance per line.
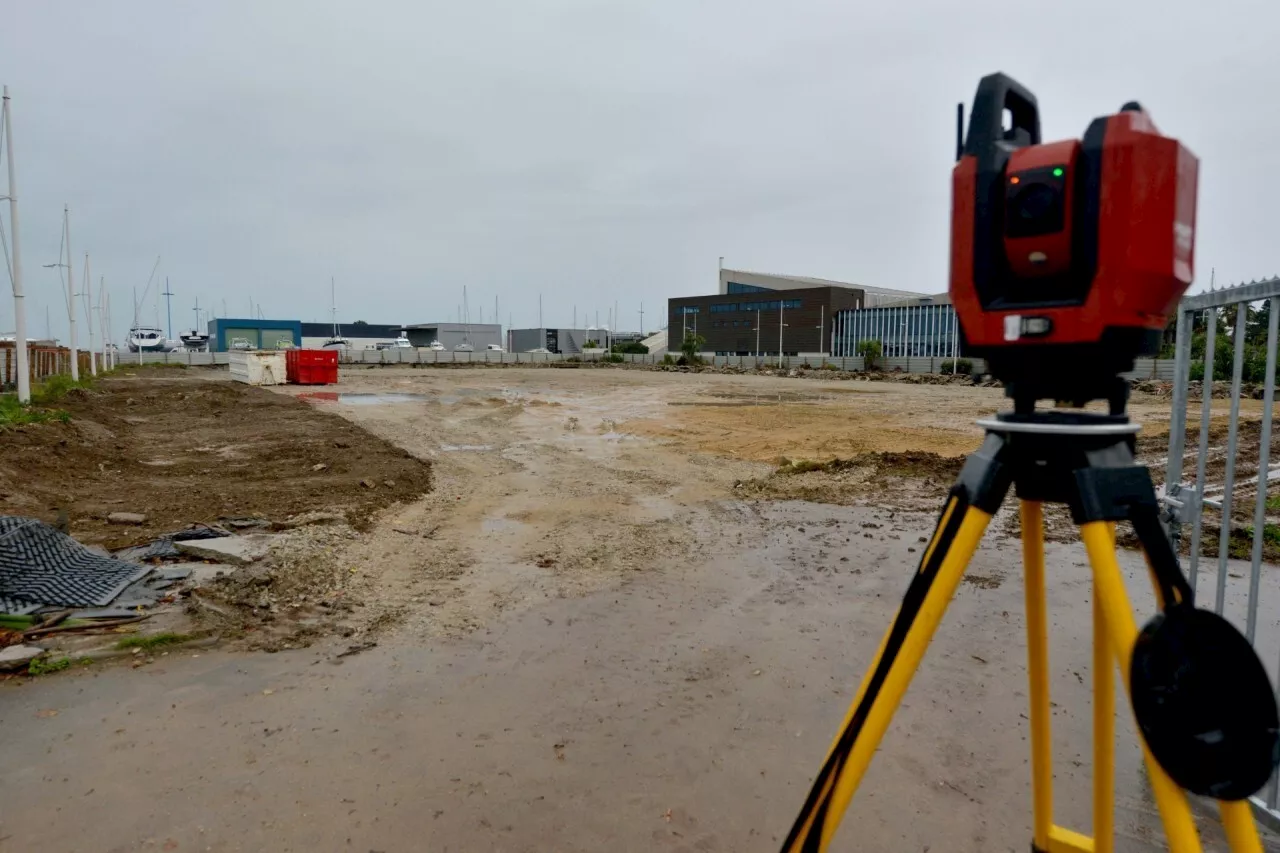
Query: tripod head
x=1067, y=257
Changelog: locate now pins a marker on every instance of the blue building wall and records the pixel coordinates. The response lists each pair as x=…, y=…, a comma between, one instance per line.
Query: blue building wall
x=263, y=334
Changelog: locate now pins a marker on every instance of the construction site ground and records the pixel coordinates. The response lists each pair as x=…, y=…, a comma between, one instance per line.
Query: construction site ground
x=582, y=609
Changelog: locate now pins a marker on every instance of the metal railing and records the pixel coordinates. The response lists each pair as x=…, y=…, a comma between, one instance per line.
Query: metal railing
x=1186, y=503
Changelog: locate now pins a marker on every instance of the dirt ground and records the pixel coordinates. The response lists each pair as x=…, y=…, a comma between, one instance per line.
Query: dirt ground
x=186, y=446
x=605, y=627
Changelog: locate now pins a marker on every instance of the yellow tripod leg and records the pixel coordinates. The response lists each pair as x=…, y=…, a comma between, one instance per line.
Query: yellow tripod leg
x=954, y=542
x=1047, y=837
x=1104, y=733
x=1031, y=514
x=1121, y=628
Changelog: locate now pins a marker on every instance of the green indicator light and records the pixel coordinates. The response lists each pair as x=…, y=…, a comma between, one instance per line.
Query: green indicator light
x=1057, y=173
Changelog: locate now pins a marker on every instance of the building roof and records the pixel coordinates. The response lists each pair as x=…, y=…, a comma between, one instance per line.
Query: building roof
x=456, y=327
x=826, y=282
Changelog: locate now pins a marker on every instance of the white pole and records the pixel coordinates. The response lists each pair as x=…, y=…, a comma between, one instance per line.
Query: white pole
x=821, y=320
x=71, y=297
x=757, y=335
x=955, y=339
x=87, y=298
x=780, y=327
x=19, y=305
x=102, y=318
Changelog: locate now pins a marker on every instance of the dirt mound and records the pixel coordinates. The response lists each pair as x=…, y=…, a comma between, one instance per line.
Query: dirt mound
x=908, y=480
x=190, y=449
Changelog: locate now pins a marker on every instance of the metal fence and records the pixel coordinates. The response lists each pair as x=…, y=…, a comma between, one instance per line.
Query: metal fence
x=1187, y=503
x=42, y=363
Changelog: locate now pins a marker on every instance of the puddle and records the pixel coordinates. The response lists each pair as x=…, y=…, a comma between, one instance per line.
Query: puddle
x=375, y=399
x=362, y=399
x=735, y=399
x=464, y=448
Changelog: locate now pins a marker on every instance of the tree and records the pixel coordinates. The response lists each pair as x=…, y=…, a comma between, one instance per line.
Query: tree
x=691, y=346
x=631, y=348
x=359, y=323
x=870, y=350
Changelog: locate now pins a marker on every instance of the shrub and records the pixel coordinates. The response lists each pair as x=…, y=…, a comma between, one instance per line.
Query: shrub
x=631, y=348
x=668, y=359
x=691, y=346
x=614, y=358
x=870, y=350
x=961, y=366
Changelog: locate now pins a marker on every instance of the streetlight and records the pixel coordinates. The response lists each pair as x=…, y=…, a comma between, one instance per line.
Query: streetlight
x=757, y=334
x=781, y=326
x=821, y=323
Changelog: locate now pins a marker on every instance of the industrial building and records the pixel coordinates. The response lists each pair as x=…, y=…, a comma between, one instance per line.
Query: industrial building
x=759, y=320
x=450, y=335
x=921, y=327
x=283, y=334
x=247, y=333
x=358, y=335
x=566, y=341
x=744, y=281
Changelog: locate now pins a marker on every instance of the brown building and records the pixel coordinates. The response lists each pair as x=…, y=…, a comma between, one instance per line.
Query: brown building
x=747, y=323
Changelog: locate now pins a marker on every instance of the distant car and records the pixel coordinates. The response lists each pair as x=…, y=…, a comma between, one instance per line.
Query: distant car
x=494, y=348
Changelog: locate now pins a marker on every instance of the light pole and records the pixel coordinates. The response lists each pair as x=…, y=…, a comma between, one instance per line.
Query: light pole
x=71, y=292
x=822, y=318
x=88, y=313
x=19, y=298
x=781, y=326
x=757, y=334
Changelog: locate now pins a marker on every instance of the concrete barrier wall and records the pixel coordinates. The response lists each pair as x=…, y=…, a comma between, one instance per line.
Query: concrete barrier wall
x=1144, y=368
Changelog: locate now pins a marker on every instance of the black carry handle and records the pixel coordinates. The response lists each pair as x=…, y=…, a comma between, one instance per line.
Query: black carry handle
x=997, y=93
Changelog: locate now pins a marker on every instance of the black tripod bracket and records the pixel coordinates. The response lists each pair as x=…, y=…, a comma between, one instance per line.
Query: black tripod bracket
x=1084, y=460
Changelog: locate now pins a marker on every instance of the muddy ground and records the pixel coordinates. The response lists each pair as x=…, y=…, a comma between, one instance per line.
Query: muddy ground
x=186, y=446
x=606, y=627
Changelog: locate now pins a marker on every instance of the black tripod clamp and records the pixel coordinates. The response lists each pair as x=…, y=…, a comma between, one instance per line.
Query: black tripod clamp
x=1081, y=459
x=1201, y=696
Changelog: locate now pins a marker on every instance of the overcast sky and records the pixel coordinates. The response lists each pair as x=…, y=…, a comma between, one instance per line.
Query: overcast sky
x=585, y=151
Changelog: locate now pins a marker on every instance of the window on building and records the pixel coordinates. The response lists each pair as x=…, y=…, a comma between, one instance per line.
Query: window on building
x=734, y=287
x=688, y=309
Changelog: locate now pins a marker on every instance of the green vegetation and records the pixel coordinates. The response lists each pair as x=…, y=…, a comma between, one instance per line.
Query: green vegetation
x=691, y=346
x=630, y=348
x=1253, y=367
x=11, y=622
x=153, y=641
x=668, y=359
x=44, y=666
x=614, y=358
x=870, y=350
x=591, y=343
x=960, y=366
x=1270, y=534
x=43, y=396
x=1273, y=503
